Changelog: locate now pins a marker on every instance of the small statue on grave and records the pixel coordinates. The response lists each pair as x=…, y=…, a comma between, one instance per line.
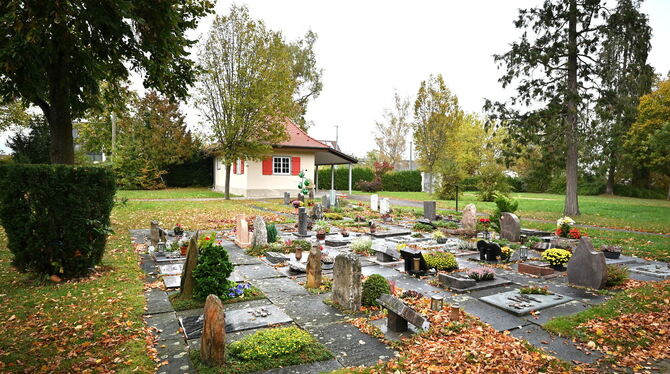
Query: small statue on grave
x=488, y=251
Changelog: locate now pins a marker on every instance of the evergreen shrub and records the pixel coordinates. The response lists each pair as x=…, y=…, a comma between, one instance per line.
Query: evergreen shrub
x=373, y=287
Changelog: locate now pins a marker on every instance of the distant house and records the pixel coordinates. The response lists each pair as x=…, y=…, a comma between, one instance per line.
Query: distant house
x=278, y=172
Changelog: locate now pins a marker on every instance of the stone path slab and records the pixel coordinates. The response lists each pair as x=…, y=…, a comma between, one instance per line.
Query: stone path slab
x=532, y=302
x=257, y=271
x=560, y=347
x=237, y=320
x=165, y=324
x=157, y=301
x=172, y=281
x=175, y=352
x=314, y=367
x=497, y=318
x=571, y=307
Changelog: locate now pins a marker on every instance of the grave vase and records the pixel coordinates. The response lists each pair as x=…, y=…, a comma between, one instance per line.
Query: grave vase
x=558, y=267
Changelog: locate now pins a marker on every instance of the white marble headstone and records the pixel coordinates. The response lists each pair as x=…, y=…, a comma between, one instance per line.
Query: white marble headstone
x=384, y=206
x=374, y=202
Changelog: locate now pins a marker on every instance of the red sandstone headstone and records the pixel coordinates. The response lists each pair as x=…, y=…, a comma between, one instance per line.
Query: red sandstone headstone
x=535, y=270
x=213, y=339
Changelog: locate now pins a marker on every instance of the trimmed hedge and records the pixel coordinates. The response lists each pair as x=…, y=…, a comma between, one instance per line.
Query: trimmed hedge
x=56, y=216
x=403, y=180
x=197, y=172
x=358, y=173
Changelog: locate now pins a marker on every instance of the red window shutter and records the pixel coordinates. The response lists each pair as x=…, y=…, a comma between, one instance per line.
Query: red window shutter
x=235, y=167
x=267, y=166
x=242, y=166
x=295, y=165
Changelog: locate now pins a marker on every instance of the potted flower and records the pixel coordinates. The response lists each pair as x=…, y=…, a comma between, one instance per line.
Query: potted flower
x=485, y=222
x=297, y=204
x=183, y=249
x=178, y=230
x=344, y=232
x=373, y=227
x=322, y=228
x=439, y=237
x=611, y=251
x=557, y=258
x=505, y=253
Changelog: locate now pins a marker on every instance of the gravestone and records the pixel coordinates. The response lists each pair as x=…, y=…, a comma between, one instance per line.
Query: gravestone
x=510, y=227
x=238, y=320
x=469, y=219
x=347, y=281
x=488, y=251
x=162, y=235
x=213, y=339
x=317, y=212
x=302, y=221
x=414, y=261
x=386, y=252
x=154, y=233
x=384, y=206
x=287, y=198
x=260, y=238
x=187, y=283
x=587, y=267
x=460, y=282
x=374, y=202
x=276, y=257
x=311, y=194
x=314, y=266
x=301, y=197
x=535, y=269
x=659, y=271
x=520, y=304
x=242, y=232
x=430, y=210
x=325, y=200
x=399, y=314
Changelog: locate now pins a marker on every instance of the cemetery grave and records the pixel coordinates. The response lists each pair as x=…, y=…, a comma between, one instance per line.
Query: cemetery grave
x=482, y=283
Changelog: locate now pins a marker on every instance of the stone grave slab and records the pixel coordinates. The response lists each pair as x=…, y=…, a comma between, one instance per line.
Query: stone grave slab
x=535, y=269
x=280, y=288
x=658, y=271
x=624, y=260
x=584, y=295
x=337, y=242
x=571, y=307
x=314, y=367
x=458, y=283
x=174, y=355
x=519, y=305
x=257, y=271
x=557, y=346
x=172, y=281
x=389, y=233
x=497, y=318
x=384, y=271
x=350, y=346
x=168, y=257
x=238, y=320
x=157, y=301
x=171, y=269
x=310, y=310
x=276, y=257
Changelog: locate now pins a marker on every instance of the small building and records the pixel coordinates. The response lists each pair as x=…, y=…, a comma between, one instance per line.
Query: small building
x=278, y=173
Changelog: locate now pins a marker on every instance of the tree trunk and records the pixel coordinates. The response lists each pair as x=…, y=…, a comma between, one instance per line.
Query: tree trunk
x=571, y=207
x=227, y=196
x=610, y=175
x=59, y=113
x=668, y=197
x=641, y=177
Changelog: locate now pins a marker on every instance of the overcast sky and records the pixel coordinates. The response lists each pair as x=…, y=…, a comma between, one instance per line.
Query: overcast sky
x=369, y=48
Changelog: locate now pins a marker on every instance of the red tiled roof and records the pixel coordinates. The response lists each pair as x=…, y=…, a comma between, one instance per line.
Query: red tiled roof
x=299, y=138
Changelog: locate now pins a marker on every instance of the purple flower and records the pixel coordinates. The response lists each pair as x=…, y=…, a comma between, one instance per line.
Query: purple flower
x=232, y=294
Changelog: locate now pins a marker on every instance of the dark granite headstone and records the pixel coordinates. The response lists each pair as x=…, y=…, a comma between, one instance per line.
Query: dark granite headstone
x=399, y=310
x=302, y=221
x=409, y=255
x=488, y=251
x=430, y=210
x=455, y=281
x=238, y=320
x=325, y=200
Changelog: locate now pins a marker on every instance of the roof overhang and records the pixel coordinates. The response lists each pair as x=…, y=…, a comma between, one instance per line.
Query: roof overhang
x=326, y=156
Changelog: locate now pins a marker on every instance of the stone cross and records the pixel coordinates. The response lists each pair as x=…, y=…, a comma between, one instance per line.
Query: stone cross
x=325, y=200
x=510, y=228
x=287, y=198
x=302, y=221
x=213, y=339
x=260, y=238
x=347, y=281
x=430, y=210
x=187, y=284
x=587, y=267
x=154, y=233
x=314, y=266
x=242, y=232
x=469, y=219
x=374, y=202
x=384, y=206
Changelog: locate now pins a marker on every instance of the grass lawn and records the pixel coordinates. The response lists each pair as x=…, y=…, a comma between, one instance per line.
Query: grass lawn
x=605, y=211
x=95, y=323
x=170, y=193
x=633, y=324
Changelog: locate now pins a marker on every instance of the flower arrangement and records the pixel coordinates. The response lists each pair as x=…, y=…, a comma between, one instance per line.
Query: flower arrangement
x=362, y=246
x=535, y=290
x=238, y=290
x=485, y=220
x=322, y=225
x=481, y=274
x=437, y=234
x=505, y=253
x=565, y=228
x=297, y=203
x=556, y=256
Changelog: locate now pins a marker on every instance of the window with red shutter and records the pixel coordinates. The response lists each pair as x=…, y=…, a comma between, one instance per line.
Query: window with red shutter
x=235, y=167
x=267, y=166
x=242, y=166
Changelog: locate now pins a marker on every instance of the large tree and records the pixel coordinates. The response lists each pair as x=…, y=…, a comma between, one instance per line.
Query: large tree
x=55, y=54
x=553, y=68
x=437, y=116
x=625, y=76
x=645, y=141
x=247, y=88
x=392, y=131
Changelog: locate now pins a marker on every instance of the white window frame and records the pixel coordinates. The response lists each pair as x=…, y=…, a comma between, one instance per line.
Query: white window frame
x=218, y=163
x=274, y=158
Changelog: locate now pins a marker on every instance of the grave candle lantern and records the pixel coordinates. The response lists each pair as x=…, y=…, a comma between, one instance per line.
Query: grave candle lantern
x=523, y=253
x=161, y=247
x=416, y=264
x=436, y=303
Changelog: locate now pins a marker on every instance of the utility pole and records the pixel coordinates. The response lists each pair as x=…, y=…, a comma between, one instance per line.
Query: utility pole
x=337, y=134
x=410, y=155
